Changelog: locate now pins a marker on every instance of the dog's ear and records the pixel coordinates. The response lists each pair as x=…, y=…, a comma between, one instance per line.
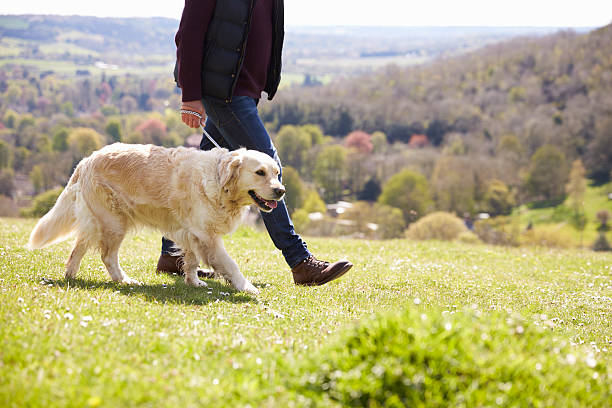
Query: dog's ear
x=229, y=167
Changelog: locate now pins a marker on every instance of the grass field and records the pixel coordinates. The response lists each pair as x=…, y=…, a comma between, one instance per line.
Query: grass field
x=595, y=199
x=414, y=323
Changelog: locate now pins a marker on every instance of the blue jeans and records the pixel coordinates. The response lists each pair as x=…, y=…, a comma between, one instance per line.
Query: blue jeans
x=236, y=125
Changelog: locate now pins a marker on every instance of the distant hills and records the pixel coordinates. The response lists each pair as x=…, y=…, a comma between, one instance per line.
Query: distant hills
x=145, y=46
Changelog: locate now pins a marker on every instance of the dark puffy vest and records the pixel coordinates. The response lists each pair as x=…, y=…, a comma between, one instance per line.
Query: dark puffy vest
x=225, y=47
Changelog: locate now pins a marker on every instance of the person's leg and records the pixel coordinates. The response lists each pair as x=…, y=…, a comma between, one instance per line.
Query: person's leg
x=239, y=125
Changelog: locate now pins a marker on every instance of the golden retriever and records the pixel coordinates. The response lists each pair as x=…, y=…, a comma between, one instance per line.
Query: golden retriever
x=193, y=197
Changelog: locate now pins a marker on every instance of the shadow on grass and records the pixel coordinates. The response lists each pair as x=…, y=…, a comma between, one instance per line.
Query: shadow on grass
x=177, y=293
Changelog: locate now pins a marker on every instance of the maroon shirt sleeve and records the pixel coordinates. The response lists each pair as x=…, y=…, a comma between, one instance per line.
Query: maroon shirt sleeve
x=189, y=41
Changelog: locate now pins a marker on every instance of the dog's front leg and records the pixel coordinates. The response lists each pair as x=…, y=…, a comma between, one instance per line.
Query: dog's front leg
x=221, y=262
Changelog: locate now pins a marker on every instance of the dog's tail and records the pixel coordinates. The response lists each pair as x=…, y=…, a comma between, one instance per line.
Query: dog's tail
x=60, y=221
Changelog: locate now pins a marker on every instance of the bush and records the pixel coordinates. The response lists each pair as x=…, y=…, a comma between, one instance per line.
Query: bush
x=464, y=359
x=498, y=231
x=548, y=235
x=601, y=243
x=42, y=203
x=438, y=225
x=8, y=208
x=468, y=237
x=373, y=221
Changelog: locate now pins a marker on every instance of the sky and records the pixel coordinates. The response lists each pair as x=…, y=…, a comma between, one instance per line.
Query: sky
x=535, y=13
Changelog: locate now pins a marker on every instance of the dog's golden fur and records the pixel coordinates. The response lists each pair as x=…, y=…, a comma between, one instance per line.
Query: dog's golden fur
x=194, y=197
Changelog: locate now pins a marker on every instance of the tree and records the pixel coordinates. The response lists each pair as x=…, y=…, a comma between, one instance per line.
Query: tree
x=154, y=131
x=408, y=191
x=547, y=175
x=84, y=141
x=60, y=140
x=113, y=129
x=313, y=203
x=295, y=190
x=379, y=142
x=499, y=199
x=599, y=153
x=293, y=144
x=371, y=190
x=453, y=184
x=329, y=171
x=360, y=141
x=576, y=189
x=7, y=185
x=5, y=155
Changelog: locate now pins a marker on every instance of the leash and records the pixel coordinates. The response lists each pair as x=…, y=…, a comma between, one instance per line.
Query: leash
x=199, y=115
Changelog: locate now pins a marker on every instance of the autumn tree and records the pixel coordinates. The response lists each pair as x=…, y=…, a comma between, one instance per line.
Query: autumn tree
x=360, y=141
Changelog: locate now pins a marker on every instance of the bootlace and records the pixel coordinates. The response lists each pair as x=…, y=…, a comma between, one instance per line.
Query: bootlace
x=316, y=263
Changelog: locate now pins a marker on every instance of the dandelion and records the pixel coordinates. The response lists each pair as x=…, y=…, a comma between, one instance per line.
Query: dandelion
x=68, y=316
x=215, y=381
x=417, y=301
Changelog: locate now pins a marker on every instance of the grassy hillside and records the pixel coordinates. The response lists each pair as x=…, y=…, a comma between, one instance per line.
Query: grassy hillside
x=595, y=199
x=460, y=324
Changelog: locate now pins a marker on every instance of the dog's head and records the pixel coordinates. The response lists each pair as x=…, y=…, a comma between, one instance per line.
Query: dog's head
x=250, y=176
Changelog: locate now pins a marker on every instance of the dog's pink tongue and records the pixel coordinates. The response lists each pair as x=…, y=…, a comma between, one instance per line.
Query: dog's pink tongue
x=271, y=203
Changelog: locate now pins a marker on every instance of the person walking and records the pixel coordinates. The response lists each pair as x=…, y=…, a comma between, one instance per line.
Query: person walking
x=228, y=53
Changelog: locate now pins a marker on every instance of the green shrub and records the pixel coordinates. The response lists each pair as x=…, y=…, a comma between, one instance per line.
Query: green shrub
x=548, y=235
x=438, y=225
x=468, y=237
x=601, y=243
x=42, y=203
x=498, y=231
x=464, y=359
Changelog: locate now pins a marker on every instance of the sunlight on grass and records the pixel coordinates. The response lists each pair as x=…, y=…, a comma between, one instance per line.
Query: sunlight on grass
x=89, y=341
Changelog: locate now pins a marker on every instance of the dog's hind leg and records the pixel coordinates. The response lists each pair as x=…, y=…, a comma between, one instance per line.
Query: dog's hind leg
x=109, y=248
x=74, y=260
x=190, y=267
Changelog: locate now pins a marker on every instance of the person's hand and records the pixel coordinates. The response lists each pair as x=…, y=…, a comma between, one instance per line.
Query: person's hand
x=191, y=120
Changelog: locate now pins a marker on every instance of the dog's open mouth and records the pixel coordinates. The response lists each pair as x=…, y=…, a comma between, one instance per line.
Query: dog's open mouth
x=262, y=203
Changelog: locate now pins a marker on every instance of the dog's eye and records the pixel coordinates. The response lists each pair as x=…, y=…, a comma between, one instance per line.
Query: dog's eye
x=260, y=173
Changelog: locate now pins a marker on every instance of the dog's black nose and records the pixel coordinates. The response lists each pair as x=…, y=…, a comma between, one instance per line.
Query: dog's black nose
x=280, y=191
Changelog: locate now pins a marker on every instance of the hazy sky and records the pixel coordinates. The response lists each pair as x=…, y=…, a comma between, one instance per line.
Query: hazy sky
x=558, y=13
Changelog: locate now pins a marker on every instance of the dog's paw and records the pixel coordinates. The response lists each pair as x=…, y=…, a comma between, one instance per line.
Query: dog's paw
x=131, y=281
x=195, y=282
x=248, y=288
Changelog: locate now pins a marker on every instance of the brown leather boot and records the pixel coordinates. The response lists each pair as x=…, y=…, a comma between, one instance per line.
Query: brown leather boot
x=172, y=264
x=312, y=272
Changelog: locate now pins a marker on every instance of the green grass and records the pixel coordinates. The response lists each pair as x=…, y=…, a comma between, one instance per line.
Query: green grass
x=595, y=199
x=430, y=323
